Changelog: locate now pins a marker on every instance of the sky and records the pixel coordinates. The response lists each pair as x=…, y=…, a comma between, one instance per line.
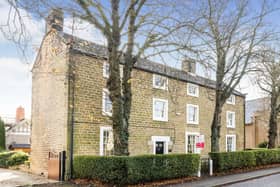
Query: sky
x=15, y=72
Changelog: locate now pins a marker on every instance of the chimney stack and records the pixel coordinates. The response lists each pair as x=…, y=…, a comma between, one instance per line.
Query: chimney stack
x=55, y=20
x=189, y=66
x=20, y=114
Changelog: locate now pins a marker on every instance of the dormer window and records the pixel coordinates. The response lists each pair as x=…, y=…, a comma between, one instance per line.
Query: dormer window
x=160, y=82
x=231, y=100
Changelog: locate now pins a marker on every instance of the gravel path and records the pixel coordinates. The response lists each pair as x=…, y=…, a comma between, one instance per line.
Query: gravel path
x=11, y=178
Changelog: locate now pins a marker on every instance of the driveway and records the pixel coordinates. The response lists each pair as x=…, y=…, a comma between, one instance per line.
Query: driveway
x=11, y=178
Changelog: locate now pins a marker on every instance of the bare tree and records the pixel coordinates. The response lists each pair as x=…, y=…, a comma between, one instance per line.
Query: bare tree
x=225, y=37
x=268, y=80
x=130, y=28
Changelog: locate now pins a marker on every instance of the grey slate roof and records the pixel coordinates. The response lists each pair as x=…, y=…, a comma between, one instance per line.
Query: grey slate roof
x=90, y=48
x=15, y=145
x=255, y=105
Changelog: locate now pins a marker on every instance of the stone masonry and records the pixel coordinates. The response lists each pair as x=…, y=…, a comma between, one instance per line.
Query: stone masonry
x=55, y=96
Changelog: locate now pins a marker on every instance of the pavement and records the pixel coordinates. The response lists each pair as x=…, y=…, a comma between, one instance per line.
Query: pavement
x=265, y=177
x=271, y=181
x=228, y=180
x=12, y=178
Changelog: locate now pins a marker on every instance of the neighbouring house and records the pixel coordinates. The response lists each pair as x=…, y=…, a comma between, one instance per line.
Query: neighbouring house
x=257, y=122
x=170, y=107
x=18, y=133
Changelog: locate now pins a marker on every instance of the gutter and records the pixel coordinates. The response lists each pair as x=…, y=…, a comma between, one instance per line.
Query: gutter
x=244, y=123
x=71, y=119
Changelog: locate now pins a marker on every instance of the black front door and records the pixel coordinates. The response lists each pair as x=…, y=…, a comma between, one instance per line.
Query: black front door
x=159, y=147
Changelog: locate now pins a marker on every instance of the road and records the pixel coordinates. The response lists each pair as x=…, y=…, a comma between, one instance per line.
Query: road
x=11, y=178
x=270, y=181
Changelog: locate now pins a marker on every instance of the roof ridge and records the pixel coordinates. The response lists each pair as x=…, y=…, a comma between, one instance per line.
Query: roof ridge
x=92, y=48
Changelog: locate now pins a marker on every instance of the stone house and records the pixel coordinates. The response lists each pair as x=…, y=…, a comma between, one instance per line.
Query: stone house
x=257, y=122
x=18, y=132
x=170, y=107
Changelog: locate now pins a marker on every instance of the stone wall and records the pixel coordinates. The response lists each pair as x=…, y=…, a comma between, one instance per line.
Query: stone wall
x=49, y=102
x=89, y=84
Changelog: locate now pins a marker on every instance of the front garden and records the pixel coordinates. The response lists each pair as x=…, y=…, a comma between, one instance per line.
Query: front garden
x=148, y=168
x=12, y=158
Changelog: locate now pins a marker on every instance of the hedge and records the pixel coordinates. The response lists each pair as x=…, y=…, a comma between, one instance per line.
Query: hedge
x=135, y=169
x=225, y=161
x=12, y=158
x=269, y=156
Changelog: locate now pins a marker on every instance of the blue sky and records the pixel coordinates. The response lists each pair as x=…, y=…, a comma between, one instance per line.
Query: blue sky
x=15, y=75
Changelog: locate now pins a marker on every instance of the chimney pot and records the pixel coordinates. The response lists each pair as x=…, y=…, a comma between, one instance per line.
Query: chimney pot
x=20, y=114
x=55, y=20
x=189, y=66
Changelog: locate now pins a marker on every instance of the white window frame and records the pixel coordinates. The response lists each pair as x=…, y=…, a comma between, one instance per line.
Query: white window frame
x=159, y=87
x=105, y=90
x=197, y=90
x=196, y=134
x=102, y=129
x=233, y=120
x=105, y=64
x=165, y=139
x=165, y=118
x=233, y=100
x=234, y=142
x=187, y=116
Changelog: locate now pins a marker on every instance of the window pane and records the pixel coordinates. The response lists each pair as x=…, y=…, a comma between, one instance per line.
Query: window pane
x=160, y=81
x=159, y=109
x=191, y=144
x=106, y=141
x=192, y=113
x=229, y=144
x=108, y=103
x=192, y=89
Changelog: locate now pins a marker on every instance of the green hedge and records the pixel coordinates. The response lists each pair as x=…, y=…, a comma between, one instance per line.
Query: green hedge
x=225, y=161
x=12, y=158
x=230, y=160
x=135, y=169
x=269, y=156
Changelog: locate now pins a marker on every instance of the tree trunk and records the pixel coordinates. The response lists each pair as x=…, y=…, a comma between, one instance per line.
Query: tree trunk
x=272, y=133
x=216, y=125
x=114, y=85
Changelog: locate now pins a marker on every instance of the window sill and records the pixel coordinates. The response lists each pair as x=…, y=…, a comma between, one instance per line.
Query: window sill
x=162, y=120
x=106, y=114
x=192, y=95
x=192, y=123
x=160, y=88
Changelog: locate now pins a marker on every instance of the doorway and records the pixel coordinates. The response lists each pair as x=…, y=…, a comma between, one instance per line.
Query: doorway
x=160, y=144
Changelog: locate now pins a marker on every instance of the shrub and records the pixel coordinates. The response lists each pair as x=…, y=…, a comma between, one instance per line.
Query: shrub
x=263, y=144
x=17, y=158
x=269, y=156
x=232, y=160
x=12, y=158
x=2, y=135
x=156, y=167
x=4, y=156
x=225, y=161
x=135, y=169
x=107, y=169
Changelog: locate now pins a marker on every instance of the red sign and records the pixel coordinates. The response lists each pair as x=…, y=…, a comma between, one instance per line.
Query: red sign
x=200, y=145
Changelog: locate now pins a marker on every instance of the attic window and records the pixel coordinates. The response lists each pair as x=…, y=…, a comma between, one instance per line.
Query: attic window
x=106, y=70
x=160, y=82
x=231, y=100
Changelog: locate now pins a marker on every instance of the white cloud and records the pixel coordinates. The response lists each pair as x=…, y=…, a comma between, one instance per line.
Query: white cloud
x=15, y=81
x=83, y=30
x=249, y=87
x=34, y=28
